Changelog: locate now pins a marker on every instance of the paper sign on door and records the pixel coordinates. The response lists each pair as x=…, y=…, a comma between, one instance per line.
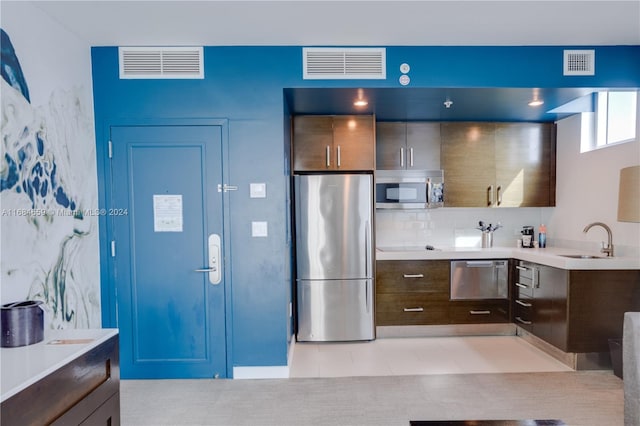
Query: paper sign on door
x=167, y=213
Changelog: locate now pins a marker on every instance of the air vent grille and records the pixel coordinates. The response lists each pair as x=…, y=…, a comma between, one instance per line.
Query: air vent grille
x=345, y=63
x=161, y=62
x=579, y=62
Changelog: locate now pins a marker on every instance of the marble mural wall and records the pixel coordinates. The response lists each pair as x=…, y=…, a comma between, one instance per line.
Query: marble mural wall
x=48, y=178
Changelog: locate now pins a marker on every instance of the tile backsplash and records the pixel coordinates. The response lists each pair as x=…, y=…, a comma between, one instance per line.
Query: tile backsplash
x=453, y=227
x=456, y=227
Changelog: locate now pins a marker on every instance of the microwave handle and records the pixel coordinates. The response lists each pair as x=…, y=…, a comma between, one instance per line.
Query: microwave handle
x=428, y=198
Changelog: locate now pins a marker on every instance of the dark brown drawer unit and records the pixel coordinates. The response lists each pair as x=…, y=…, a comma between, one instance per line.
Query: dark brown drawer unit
x=479, y=312
x=410, y=309
x=523, y=289
x=412, y=292
x=524, y=279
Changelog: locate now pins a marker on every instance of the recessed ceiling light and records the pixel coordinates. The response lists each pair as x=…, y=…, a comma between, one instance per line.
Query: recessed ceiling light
x=535, y=103
x=361, y=103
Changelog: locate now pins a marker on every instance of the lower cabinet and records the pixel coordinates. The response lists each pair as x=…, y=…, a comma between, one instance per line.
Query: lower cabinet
x=575, y=311
x=412, y=292
x=479, y=312
x=85, y=391
x=416, y=292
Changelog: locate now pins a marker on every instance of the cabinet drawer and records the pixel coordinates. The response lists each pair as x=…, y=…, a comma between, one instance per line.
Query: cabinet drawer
x=479, y=312
x=523, y=312
x=400, y=276
x=525, y=270
x=417, y=309
x=523, y=287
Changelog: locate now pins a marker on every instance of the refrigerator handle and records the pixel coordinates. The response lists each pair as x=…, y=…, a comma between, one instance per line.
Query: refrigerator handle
x=366, y=294
x=367, y=244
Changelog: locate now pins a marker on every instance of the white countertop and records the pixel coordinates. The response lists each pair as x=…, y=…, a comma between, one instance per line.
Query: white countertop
x=550, y=256
x=25, y=365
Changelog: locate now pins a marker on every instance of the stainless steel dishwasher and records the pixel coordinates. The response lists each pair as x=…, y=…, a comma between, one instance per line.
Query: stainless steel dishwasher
x=479, y=279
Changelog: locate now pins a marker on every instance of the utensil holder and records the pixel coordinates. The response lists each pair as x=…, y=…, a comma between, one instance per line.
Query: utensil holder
x=487, y=239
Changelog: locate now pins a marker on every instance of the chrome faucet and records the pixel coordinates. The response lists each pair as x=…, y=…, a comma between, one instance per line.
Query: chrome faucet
x=608, y=249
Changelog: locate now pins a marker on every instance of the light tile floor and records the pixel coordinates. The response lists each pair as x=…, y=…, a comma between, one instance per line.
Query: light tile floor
x=422, y=355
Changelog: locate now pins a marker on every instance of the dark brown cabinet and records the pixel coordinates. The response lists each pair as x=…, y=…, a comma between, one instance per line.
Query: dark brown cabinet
x=575, y=311
x=407, y=145
x=479, y=311
x=86, y=390
x=498, y=164
x=540, y=301
x=333, y=142
x=412, y=292
x=416, y=292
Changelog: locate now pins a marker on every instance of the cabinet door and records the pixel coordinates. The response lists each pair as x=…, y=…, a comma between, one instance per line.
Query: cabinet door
x=523, y=165
x=468, y=160
x=354, y=142
x=312, y=138
x=423, y=146
x=391, y=145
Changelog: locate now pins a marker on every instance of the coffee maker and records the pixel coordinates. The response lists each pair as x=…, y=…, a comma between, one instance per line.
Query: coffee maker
x=527, y=236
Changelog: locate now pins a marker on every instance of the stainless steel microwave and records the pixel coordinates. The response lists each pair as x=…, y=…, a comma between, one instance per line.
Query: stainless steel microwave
x=409, y=189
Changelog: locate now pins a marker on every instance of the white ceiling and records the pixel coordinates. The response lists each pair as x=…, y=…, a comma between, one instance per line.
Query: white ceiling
x=359, y=22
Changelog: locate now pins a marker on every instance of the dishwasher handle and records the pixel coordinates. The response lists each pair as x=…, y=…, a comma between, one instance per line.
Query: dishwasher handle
x=479, y=263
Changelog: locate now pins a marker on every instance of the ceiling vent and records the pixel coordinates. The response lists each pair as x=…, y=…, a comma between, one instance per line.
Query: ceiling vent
x=579, y=62
x=161, y=62
x=321, y=63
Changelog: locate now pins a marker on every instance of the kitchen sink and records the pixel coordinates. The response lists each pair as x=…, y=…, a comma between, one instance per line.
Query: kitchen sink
x=582, y=256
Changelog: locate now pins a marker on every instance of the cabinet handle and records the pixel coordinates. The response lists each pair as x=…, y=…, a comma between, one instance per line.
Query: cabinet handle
x=401, y=158
x=520, y=320
x=480, y=312
x=328, y=156
x=413, y=275
x=522, y=268
x=410, y=157
x=522, y=285
x=338, y=156
x=413, y=309
x=499, y=195
x=525, y=304
x=490, y=195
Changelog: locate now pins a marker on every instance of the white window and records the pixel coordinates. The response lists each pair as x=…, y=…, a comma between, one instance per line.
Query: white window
x=616, y=117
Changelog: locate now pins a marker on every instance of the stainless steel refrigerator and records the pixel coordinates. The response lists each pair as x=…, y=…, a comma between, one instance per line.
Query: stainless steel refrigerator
x=334, y=256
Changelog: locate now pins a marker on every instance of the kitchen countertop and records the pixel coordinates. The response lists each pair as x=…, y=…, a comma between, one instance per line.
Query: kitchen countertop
x=25, y=365
x=550, y=256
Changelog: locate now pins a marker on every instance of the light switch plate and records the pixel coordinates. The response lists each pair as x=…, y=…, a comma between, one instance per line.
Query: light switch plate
x=258, y=190
x=259, y=229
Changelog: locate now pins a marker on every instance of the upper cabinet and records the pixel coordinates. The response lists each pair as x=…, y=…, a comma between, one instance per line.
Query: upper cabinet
x=498, y=164
x=331, y=143
x=407, y=145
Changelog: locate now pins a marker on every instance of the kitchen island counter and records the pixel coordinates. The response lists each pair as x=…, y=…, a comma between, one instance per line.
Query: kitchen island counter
x=550, y=256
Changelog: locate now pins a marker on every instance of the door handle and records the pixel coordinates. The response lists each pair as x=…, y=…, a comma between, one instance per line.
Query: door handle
x=214, y=270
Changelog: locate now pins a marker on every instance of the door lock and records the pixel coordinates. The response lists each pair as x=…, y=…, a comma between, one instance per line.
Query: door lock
x=215, y=275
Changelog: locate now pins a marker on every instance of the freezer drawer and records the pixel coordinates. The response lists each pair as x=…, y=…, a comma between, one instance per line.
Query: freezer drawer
x=335, y=310
x=479, y=279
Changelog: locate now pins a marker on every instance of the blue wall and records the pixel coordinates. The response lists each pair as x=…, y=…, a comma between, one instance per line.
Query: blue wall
x=245, y=85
